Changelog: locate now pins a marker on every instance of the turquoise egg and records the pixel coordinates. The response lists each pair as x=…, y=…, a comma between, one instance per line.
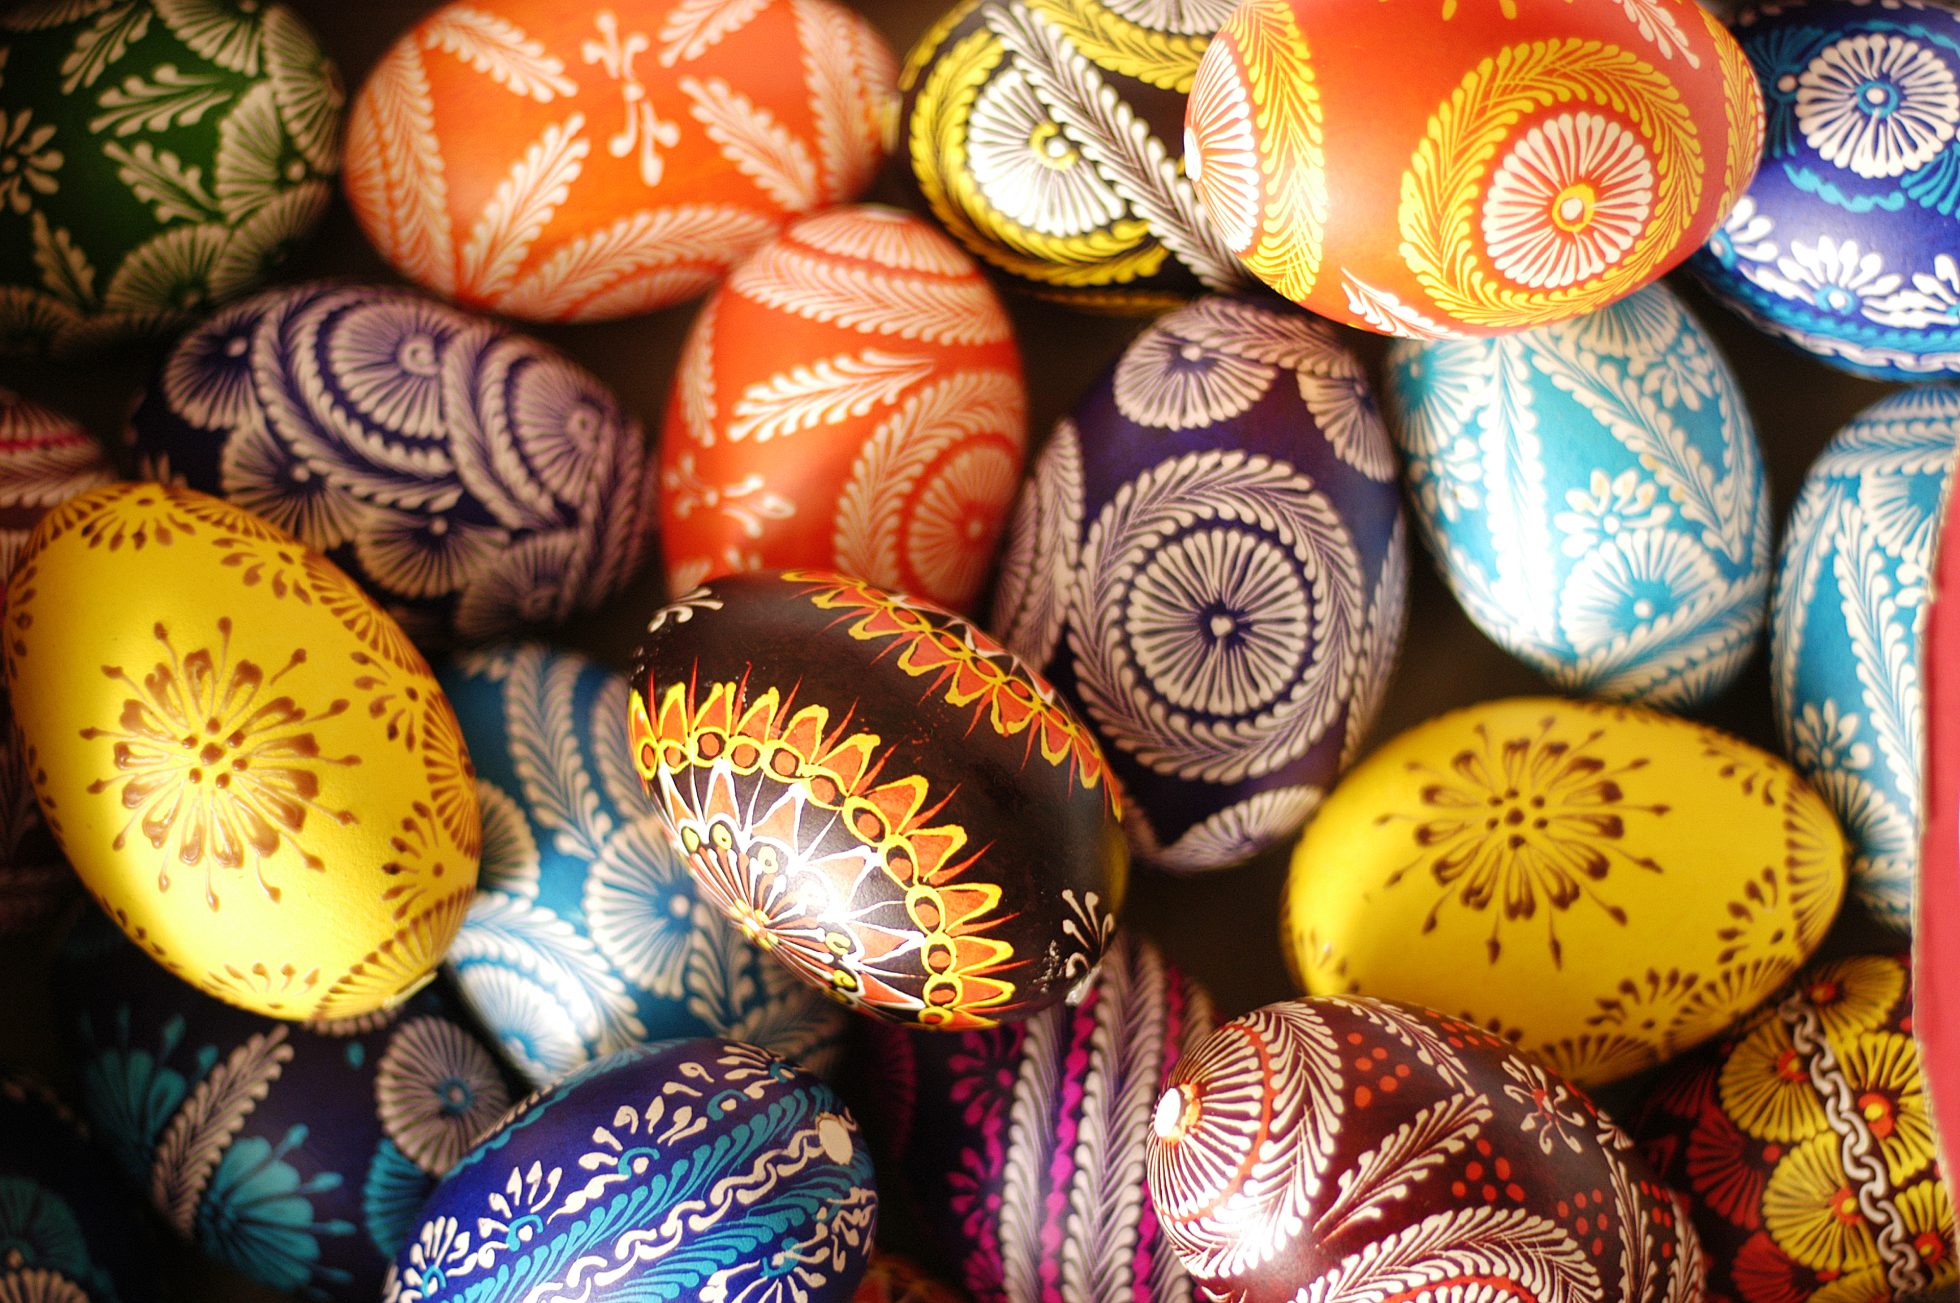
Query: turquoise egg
x=587, y=934
x=1594, y=496
x=1846, y=624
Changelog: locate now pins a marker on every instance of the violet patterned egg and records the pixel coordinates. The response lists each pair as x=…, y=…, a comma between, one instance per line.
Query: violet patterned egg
x=1209, y=559
x=294, y=1153
x=587, y=933
x=473, y=480
x=1593, y=494
x=699, y=1169
x=45, y=459
x=1022, y=1144
x=68, y=1233
x=1345, y=1147
x=880, y=795
x=1847, y=244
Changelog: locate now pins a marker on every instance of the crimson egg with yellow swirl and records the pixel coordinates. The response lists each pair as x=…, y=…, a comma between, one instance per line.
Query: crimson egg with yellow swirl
x=1428, y=168
x=881, y=795
x=251, y=768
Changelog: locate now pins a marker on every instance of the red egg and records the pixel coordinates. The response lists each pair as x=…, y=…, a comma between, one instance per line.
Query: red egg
x=851, y=399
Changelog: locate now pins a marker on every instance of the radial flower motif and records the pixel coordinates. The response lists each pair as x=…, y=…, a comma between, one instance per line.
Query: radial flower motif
x=1903, y=511
x=1890, y=1091
x=1744, y=237
x=1835, y=276
x=1608, y=509
x=38, y=1229
x=437, y=1091
x=1568, y=201
x=388, y=357
x=1878, y=105
x=1169, y=381
x=1823, y=737
x=1765, y=1086
x=1557, y=1115
x=1632, y=583
x=1029, y=170
x=953, y=530
x=642, y=909
x=1811, y=1210
x=1932, y=300
x=27, y=164
x=258, y=1215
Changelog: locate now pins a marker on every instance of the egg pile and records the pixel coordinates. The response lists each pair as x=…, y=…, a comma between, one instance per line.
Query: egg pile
x=525, y=766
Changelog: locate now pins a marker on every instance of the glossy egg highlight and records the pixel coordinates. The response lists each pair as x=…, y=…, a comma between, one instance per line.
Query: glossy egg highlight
x=587, y=933
x=1049, y=141
x=880, y=795
x=850, y=399
x=1209, y=557
x=701, y=1169
x=1428, y=168
x=1593, y=494
x=578, y=162
x=1804, y=1147
x=253, y=771
x=473, y=480
x=1021, y=1143
x=295, y=1153
x=1606, y=886
x=1847, y=244
x=161, y=157
x=1335, y=1147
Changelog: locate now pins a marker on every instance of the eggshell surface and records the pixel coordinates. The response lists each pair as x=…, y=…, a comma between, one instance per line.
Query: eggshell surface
x=1048, y=138
x=1428, y=167
x=1804, y=1146
x=1021, y=1142
x=253, y=771
x=472, y=479
x=686, y=1169
x=1209, y=556
x=1605, y=886
x=160, y=157
x=1341, y=1145
x=880, y=795
x=295, y=1153
x=850, y=399
x=576, y=162
x=1847, y=244
x=587, y=933
x=1846, y=626
x=1593, y=494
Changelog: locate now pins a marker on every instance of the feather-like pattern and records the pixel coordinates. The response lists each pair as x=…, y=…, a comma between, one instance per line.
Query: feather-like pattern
x=192, y=1144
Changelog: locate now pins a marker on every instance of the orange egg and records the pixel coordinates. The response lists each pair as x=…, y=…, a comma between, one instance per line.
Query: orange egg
x=850, y=399
x=574, y=162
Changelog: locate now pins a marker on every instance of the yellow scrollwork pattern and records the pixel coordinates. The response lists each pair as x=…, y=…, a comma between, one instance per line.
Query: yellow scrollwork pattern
x=1743, y=109
x=1279, y=74
x=1116, y=44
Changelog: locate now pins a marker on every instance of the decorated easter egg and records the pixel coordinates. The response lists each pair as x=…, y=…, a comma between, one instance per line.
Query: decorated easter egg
x=1023, y=1143
x=66, y=1233
x=1936, y=903
x=1359, y=1148
x=880, y=795
x=471, y=479
x=573, y=162
x=1428, y=168
x=159, y=158
x=1804, y=1145
x=1605, y=886
x=1847, y=244
x=1209, y=558
x=45, y=459
x=850, y=398
x=587, y=933
x=253, y=771
x=1845, y=629
x=892, y=1279
x=1593, y=495
x=1049, y=139
x=295, y=1153
x=693, y=1169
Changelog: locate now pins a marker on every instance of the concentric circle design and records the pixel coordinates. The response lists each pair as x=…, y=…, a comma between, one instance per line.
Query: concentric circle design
x=1567, y=201
x=1174, y=379
x=1029, y=169
x=438, y=1091
x=1221, y=155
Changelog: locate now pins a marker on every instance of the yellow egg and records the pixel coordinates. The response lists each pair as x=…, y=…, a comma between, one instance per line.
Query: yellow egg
x=1603, y=885
x=251, y=768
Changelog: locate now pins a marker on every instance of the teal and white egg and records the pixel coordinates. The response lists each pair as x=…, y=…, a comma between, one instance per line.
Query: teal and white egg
x=1846, y=629
x=1593, y=494
x=587, y=934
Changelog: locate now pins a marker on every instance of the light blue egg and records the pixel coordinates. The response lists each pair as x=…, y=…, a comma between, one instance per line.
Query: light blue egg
x=586, y=934
x=1846, y=626
x=1593, y=494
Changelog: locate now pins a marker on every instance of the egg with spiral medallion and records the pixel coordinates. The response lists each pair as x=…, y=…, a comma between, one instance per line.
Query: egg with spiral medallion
x=880, y=795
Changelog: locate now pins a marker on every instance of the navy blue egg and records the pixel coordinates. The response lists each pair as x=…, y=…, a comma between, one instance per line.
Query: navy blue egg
x=296, y=1153
x=702, y=1169
x=587, y=933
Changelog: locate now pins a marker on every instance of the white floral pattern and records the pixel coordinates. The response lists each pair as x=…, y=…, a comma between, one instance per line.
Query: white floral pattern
x=1567, y=201
x=1633, y=583
x=1027, y=166
x=438, y=1091
x=1878, y=105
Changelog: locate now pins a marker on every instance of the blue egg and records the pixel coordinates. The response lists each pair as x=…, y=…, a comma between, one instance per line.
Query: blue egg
x=1593, y=494
x=1846, y=625
x=587, y=934
x=700, y=1169
x=296, y=1153
x=67, y=1233
x=1847, y=244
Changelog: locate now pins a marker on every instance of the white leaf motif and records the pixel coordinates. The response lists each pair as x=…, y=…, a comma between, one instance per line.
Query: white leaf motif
x=499, y=47
x=824, y=392
x=866, y=299
x=761, y=148
x=599, y=262
x=395, y=172
x=523, y=204
x=692, y=26
x=190, y=1147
